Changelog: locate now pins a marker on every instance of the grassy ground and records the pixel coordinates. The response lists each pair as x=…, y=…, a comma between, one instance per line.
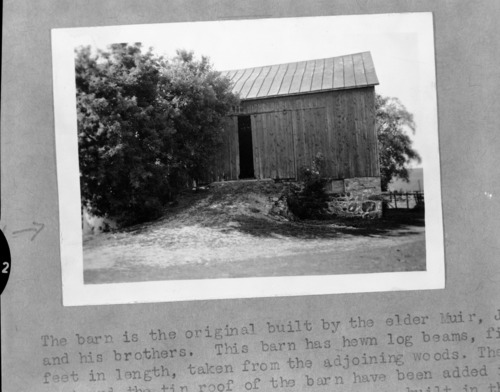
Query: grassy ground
x=219, y=235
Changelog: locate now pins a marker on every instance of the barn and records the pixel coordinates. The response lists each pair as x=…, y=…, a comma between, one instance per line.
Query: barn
x=291, y=112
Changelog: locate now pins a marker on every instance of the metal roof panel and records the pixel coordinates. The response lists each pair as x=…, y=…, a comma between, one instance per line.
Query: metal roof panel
x=334, y=73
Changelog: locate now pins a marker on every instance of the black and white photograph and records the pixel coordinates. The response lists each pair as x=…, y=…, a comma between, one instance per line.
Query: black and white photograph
x=248, y=158
x=228, y=196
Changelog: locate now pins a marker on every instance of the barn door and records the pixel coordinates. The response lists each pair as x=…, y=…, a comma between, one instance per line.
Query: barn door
x=310, y=137
x=273, y=144
x=246, y=147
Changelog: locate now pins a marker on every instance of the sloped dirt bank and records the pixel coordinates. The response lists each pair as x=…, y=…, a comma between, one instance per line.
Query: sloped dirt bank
x=228, y=231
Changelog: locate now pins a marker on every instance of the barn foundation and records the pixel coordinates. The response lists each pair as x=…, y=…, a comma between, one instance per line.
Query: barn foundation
x=355, y=197
x=358, y=197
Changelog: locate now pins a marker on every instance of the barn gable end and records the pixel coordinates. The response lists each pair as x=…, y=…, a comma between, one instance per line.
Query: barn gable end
x=297, y=110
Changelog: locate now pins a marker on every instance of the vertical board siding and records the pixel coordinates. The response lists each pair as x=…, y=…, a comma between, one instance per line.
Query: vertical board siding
x=342, y=131
x=292, y=170
x=331, y=138
x=351, y=134
x=288, y=132
x=226, y=162
x=371, y=131
x=271, y=145
x=256, y=151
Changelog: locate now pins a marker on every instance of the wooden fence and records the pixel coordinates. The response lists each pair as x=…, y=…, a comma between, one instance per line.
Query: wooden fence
x=403, y=199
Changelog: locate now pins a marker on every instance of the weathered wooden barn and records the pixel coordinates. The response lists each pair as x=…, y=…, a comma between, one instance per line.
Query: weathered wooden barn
x=291, y=112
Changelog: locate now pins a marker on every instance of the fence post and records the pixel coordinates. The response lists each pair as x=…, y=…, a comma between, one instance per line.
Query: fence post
x=407, y=202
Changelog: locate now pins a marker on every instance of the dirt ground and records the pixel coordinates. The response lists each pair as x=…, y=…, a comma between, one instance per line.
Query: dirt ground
x=221, y=236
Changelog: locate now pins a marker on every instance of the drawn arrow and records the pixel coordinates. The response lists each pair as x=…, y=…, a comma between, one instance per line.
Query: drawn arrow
x=33, y=229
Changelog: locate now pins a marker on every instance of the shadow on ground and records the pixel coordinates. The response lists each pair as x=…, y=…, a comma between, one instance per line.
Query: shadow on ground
x=208, y=236
x=248, y=214
x=394, y=223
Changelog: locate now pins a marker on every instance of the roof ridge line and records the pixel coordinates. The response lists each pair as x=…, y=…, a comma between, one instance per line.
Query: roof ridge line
x=297, y=61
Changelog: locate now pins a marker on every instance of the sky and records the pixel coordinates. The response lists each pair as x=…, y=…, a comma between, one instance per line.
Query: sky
x=402, y=48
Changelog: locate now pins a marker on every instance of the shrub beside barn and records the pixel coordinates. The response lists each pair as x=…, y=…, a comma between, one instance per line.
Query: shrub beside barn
x=291, y=112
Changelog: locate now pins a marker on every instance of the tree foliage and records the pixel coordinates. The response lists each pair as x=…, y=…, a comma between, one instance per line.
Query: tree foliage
x=393, y=124
x=146, y=125
x=308, y=199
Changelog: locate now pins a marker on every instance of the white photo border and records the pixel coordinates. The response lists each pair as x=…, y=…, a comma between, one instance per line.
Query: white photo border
x=76, y=293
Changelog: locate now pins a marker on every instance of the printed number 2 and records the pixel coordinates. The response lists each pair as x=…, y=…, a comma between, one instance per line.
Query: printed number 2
x=5, y=269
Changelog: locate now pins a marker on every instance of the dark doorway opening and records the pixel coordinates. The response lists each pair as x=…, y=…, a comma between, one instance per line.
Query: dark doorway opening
x=246, y=147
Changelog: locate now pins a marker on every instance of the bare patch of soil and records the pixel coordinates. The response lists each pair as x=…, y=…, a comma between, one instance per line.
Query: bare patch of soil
x=229, y=233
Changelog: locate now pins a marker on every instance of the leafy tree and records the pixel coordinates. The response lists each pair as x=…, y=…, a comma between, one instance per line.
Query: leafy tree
x=393, y=123
x=204, y=99
x=308, y=200
x=145, y=126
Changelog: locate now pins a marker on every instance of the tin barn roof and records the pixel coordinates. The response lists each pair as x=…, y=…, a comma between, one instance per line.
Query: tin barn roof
x=334, y=73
